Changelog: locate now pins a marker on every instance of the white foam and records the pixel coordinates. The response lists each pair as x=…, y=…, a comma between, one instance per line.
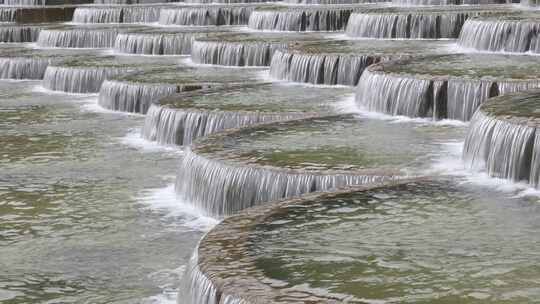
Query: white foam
x=450, y=163
x=456, y=48
x=168, y=281
x=165, y=201
x=41, y=89
x=134, y=139
x=348, y=105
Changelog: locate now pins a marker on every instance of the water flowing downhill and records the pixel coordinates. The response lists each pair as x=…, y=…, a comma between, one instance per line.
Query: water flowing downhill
x=133, y=97
x=23, y=67
x=139, y=133
x=450, y=2
x=320, y=69
x=170, y=126
x=412, y=26
x=154, y=44
x=7, y=14
x=297, y=19
x=221, y=189
x=234, y=53
x=76, y=38
x=502, y=148
x=501, y=35
x=79, y=79
x=136, y=14
x=18, y=34
x=438, y=98
x=206, y=15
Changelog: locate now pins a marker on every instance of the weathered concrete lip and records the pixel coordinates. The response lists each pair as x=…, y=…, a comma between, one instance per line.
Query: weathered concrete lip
x=223, y=253
x=518, y=108
x=466, y=66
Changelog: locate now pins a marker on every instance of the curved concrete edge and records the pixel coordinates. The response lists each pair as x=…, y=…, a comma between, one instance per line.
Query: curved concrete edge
x=222, y=263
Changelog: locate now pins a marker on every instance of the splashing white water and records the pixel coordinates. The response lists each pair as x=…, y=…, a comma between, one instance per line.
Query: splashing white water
x=134, y=139
x=348, y=105
x=166, y=202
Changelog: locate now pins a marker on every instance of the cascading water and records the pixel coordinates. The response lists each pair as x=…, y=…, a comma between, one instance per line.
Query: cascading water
x=172, y=126
x=155, y=43
x=19, y=33
x=77, y=38
x=8, y=14
x=465, y=96
x=449, y=2
x=436, y=96
x=412, y=25
x=501, y=147
x=133, y=97
x=135, y=14
x=228, y=1
x=79, y=79
x=501, y=35
x=197, y=288
x=206, y=15
x=297, y=19
x=23, y=67
x=23, y=2
x=219, y=188
x=233, y=53
x=395, y=94
x=332, y=1
x=320, y=69
x=132, y=1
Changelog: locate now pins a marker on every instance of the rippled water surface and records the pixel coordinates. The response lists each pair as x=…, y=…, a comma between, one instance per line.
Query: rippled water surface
x=78, y=221
x=436, y=242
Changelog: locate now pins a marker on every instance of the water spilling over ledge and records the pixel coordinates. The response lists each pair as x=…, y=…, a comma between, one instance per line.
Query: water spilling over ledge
x=207, y=15
x=137, y=91
x=502, y=34
x=503, y=138
x=450, y=2
x=414, y=23
x=342, y=62
x=8, y=14
x=241, y=187
x=268, y=253
x=301, y=18
x=23, y=63
x=335, y=2
x=160, y=41
x=115, y=14
x=182, y=118
x=451, y=86
x=27, y=67
x=243, y=49
x=268, y=162
x=85, y=75
x=77, y=38
x=19, y=33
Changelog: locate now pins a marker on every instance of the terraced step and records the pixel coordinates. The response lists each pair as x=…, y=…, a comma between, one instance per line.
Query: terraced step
x=444, y=87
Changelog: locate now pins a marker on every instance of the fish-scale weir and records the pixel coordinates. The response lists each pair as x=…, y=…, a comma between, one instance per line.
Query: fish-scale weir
x=207, y=15
x=342, y=62
x=291, y=143
x=456, y=87
x=302, y=18
x=503, y=139
x=414, y=23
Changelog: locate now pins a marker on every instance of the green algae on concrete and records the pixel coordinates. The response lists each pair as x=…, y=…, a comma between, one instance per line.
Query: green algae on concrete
x=263, y=98
x=341, y=143
x=444, y=242
x=490, y=66
x=522, y=105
